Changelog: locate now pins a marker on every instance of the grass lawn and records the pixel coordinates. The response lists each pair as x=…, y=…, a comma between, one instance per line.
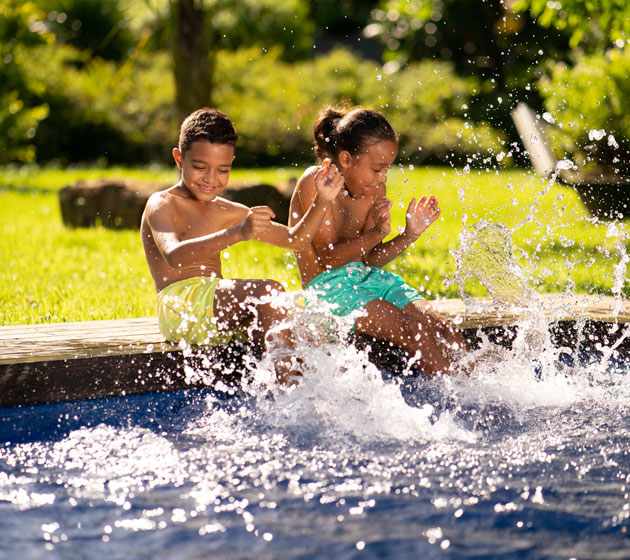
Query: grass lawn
x=52, y=274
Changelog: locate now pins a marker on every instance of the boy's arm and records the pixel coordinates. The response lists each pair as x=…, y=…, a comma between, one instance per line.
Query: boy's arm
x=327, y=182
x=332, y=252
x=420, y=215
x=181, y=253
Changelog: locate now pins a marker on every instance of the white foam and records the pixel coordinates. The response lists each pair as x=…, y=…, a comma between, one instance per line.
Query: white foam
x=342, y=394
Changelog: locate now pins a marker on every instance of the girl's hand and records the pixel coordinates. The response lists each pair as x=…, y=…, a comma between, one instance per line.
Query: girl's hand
x=328, y=181
x=421, y=214
x=257, y=221
x=381, y=216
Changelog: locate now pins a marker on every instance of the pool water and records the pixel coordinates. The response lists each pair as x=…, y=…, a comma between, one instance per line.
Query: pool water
x=526, y=457
x=529, y=457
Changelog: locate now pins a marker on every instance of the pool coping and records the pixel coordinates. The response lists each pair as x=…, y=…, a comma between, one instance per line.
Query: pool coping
x=94, y=359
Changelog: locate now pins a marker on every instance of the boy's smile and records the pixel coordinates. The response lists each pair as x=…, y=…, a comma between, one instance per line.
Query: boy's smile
x=205, y=168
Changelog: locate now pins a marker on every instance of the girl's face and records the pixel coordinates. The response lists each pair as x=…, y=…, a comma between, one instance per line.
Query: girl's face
x=368, y=169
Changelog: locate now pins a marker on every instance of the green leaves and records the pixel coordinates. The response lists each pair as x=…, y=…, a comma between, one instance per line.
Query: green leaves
x=593, y=94
x=21, y=111
x=274, y=104
x=18, y=126
x=592, y=24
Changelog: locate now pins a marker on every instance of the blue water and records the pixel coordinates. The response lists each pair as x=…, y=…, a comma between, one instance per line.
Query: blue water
x=519, y=460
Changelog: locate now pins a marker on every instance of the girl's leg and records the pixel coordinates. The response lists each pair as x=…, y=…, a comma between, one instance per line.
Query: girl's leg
x=233, y=310
x=413, y=331
x=453, y=337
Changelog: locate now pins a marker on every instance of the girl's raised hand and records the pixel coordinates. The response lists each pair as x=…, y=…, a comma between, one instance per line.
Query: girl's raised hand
x=328, y=181
x=380, y=214
x=421, y=214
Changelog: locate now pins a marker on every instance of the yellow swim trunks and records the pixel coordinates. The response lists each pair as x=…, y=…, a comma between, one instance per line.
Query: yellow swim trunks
x=185, y=312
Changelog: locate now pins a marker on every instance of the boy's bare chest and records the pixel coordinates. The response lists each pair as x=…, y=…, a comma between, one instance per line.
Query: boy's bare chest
x=196, y=220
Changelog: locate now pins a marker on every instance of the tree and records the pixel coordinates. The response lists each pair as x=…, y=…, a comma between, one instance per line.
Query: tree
x=193, y=57
x=202, y=27
x=484, y=39
x=587, y=98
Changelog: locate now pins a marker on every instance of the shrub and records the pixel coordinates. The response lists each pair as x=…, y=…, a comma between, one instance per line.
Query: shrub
x=89, y=108
x=274, y=104
x=20, y=110
x=103, y=110
x=589, y=103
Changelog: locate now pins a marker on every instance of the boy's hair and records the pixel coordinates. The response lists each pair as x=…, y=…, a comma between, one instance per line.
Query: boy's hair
x=341, y=128
x=206, y=124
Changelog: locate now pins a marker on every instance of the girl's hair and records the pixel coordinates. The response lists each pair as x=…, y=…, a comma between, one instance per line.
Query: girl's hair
x=341, y=128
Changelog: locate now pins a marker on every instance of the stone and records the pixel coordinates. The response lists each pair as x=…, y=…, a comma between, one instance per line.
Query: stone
x=119, y=203
x=114, y=203
x=262, y=195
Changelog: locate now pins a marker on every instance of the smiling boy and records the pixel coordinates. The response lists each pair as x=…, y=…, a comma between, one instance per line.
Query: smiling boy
x=185, y=228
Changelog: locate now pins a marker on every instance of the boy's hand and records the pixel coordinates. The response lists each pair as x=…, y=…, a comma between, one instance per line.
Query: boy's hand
x=421, y=214
x=381, y=216
x=328, y=181
x=258, y=221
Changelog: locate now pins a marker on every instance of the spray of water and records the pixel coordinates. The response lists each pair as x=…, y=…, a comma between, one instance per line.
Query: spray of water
x=341, y=394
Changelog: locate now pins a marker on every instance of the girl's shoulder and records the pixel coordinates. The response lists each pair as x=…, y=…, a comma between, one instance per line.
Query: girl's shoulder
x=310, y=172
x=308, y=178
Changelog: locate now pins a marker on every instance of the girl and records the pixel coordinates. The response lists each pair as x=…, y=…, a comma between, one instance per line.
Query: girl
x=343, y=263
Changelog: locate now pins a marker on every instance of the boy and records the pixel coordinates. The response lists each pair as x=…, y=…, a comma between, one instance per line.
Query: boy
x=185, y=228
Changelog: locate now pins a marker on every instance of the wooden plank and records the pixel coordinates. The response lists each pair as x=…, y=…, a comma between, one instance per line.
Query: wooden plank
x=91, y=339
x=119, y=375
x=556, y=307
x=31, y=343
x=67, y=361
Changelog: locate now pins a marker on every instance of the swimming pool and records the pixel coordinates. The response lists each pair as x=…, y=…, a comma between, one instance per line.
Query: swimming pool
x=528, y=458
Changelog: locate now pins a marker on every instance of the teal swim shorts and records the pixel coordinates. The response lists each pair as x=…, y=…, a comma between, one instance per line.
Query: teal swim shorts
x=354, y=285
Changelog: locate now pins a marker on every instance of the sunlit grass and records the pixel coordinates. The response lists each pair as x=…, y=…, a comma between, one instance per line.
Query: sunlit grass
x=51, y=179
x=52, y=274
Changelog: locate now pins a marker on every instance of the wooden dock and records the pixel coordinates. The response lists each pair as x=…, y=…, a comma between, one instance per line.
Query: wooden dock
x=69, y=361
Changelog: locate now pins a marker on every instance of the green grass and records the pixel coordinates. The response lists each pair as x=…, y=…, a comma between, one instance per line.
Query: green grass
x=32, y=178
x=52, y=274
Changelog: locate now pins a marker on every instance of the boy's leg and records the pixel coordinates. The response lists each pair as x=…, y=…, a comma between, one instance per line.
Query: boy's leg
x=412, y=330
x=232, y=311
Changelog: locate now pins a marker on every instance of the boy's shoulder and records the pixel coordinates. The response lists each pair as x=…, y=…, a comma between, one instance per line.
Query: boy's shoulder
x=158, y=199
x=176, y=198
x=310, y=171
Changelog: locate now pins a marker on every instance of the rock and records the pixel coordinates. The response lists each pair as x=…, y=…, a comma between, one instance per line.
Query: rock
x=119, y=203
x=114, y=203
x=262, y=195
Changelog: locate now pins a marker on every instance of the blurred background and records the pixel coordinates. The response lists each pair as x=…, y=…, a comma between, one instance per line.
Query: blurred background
x=105, y=82
x=96, y=90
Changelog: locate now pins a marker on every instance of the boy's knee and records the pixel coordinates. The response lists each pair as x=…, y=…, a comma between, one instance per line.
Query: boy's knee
x=273, y=288
x=267, y=288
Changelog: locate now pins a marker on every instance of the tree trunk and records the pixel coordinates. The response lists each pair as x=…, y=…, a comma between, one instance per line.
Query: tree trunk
x=193, y=59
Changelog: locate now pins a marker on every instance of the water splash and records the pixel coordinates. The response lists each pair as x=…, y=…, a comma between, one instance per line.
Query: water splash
x=485, y=253
x=619, y=273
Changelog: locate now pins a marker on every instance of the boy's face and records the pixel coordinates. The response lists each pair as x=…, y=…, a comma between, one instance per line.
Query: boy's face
x=367, y=170
x=205, y=168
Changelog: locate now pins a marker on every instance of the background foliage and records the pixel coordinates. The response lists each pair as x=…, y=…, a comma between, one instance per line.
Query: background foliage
x=58, y=274
x=96, y=80
x=100, y=82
